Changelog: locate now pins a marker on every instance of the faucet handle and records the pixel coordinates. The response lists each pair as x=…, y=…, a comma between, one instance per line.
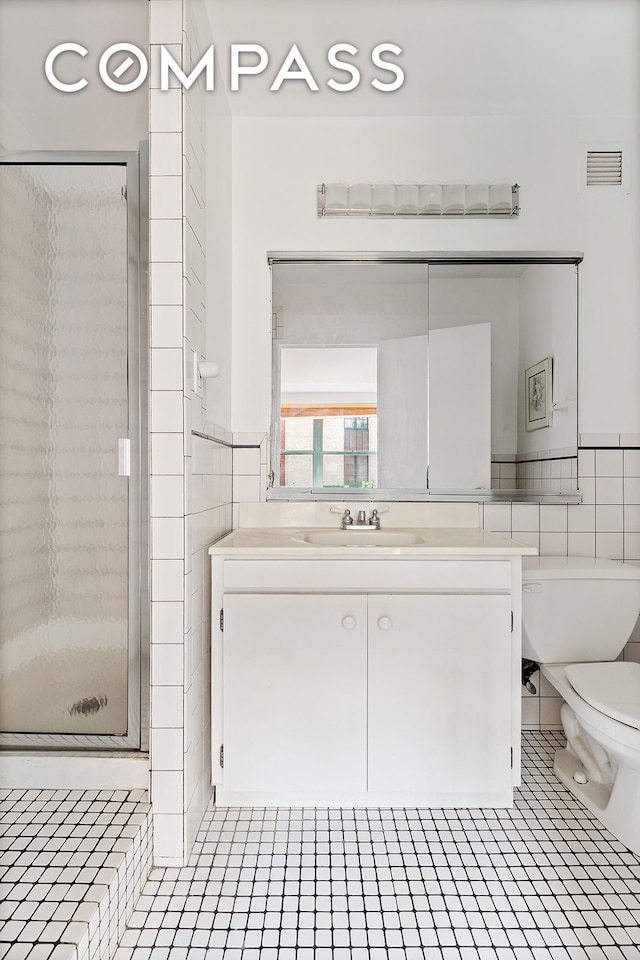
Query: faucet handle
x=374, y=519
x=346, y=518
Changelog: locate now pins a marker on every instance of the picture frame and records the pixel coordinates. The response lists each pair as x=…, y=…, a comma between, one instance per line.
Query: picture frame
x=538, y=394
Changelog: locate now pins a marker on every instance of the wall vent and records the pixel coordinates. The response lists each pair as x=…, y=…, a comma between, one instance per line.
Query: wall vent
x=604, y=168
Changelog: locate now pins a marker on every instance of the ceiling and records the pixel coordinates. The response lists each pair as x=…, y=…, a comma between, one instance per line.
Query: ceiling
x=460, y=57
x=33, y=115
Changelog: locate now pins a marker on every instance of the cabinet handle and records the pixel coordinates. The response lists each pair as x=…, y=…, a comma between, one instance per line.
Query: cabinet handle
x=348, y=622
x=385, y=623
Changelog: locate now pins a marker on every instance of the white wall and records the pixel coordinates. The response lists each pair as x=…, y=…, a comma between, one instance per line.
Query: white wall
x=279, y=161
x=547, y=312
x=217, y=344
x=349, y=303
x=36, y=116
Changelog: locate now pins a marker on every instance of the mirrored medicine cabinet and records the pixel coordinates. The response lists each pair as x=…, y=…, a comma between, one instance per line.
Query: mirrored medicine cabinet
x=425, y=376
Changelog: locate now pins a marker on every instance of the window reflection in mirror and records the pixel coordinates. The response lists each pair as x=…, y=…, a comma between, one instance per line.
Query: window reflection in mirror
x=328, y=421
x=408, y=378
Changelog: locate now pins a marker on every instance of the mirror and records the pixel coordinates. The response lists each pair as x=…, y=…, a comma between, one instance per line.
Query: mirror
x=425, y=378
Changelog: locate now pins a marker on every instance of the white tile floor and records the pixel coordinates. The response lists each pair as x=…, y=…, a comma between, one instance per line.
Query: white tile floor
x=72, y=865
x=541, y=880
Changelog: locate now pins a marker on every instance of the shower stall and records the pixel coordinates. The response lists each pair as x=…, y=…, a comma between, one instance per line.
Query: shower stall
x=73, y=452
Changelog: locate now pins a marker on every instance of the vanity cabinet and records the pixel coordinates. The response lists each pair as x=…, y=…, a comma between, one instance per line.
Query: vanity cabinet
x=295, y=693
x=365, y=683
x=439, y=674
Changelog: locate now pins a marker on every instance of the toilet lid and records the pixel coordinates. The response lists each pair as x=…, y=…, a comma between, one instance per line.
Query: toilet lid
x=613, y=688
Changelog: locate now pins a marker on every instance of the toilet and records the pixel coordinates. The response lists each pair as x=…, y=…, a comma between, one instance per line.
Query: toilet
x=577, y=615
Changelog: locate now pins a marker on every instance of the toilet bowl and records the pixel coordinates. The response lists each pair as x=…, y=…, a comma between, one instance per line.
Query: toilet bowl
x=577, y=615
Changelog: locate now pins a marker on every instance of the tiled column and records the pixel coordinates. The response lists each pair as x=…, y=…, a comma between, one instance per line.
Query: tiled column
x=191, y=474
x=167, y=443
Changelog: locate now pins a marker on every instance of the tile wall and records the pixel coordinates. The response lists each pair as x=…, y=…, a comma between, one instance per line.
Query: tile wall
x=250, y=468
x=558, y=471
x=191, y=457
x=550, y=470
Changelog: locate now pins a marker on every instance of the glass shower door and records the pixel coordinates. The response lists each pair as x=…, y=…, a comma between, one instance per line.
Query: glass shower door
x=67, y=408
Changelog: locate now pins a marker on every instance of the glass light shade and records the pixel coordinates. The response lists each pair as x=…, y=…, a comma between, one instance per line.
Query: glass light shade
x=430, y=197
x=407, y=197
x=477, y=197
x=384, y=197
x=453, y=197
x=500, y=197
x=360, y=197
x=336, y=196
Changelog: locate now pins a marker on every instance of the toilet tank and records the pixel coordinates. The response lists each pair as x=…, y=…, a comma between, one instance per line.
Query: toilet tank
x=577, y=609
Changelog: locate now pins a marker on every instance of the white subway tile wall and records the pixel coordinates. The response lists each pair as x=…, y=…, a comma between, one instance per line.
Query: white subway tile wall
x=547, y=470
x=552, y=473
x=191, y=473
x=605, y=524
x=250, y=467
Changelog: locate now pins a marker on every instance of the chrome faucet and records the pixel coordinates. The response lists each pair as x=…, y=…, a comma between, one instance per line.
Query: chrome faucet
x=346, y=521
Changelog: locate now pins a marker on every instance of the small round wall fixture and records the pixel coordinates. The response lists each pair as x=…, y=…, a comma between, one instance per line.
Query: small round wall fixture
x=208, y=369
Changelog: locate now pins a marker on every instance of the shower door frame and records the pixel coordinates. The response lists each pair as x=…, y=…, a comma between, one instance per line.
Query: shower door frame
x=137, y=198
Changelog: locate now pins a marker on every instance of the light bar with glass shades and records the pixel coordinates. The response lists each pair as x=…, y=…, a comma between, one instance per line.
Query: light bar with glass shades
x=412, y=199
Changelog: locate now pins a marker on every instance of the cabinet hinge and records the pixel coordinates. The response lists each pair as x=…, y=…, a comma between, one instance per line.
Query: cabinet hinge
x=222, y=754
x=222, y=621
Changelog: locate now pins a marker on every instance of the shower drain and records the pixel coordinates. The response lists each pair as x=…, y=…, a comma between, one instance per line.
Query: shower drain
x=88, y=705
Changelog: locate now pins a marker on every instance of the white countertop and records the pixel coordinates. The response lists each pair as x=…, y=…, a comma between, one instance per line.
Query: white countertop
x=442, y=542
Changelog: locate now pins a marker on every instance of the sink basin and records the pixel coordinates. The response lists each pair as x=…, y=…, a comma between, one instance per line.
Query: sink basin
x=362, y=537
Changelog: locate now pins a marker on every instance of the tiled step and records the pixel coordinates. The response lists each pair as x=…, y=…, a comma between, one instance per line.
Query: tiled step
x=72, y=866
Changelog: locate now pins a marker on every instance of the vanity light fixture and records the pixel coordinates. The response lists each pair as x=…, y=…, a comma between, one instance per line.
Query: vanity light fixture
x=412, y=199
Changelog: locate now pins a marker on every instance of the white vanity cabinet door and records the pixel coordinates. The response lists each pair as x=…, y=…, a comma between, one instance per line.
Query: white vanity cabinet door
x=295, y=696
x=440, y=695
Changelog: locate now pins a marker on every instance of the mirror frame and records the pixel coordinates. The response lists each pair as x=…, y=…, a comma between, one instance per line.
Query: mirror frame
x=447, y=257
